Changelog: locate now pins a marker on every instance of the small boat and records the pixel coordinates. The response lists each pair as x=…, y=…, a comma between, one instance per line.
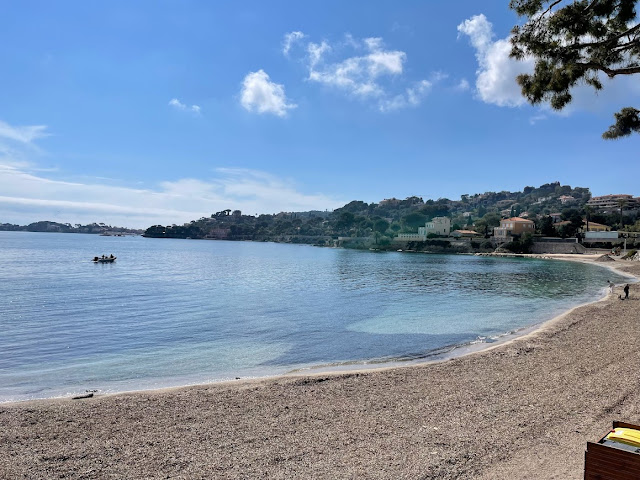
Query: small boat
x=104, y=259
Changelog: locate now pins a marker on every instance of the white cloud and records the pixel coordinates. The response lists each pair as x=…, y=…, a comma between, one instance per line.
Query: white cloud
x=412, y=97
x=289, y=40
x=17, y=144
x=261, y=95
x=480, y=32
x=496, y=75
x=23, y=135
x=463, y=85
x=358, y=75
x=316, y=51
x=29, y=194
x=367, y=70
x=28, y=198
x=174, y=102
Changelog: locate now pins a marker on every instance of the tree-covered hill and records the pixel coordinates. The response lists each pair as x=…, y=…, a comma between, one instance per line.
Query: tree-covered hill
x=384, y=220
x=55, y=227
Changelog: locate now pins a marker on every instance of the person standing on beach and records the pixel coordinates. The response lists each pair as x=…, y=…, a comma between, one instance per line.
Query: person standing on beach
x=610, y=286
x=626, y=291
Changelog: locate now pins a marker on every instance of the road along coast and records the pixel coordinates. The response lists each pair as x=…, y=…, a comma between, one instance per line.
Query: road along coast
x=523, y=409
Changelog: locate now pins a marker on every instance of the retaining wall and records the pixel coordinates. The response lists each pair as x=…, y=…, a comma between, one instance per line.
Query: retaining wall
x=549, y=247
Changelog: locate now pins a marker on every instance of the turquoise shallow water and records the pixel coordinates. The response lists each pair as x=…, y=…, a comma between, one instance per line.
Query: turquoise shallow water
x=176, y=312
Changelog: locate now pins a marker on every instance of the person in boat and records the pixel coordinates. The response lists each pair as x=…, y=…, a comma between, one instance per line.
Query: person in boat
x=111, y=256
x=95, y=259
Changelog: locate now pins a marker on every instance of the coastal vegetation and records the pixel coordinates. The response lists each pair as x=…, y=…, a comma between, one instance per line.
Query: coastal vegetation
x=557, y=210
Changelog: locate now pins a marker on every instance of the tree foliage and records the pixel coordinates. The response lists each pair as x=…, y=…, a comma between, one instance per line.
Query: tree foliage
x=575, y=42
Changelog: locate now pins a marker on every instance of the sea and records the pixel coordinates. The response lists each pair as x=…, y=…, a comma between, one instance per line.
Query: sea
x=181, y=312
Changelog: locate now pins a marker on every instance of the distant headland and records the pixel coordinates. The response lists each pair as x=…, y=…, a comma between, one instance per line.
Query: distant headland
x=55, y=227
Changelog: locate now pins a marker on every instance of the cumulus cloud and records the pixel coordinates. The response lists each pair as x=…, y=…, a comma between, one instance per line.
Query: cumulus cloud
x=358, y=75
x=496, y=75
x=366, y=70
x=259, y=94
x=177, y=104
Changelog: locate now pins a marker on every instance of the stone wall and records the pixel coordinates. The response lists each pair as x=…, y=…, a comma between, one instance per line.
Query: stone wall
x=549, y=247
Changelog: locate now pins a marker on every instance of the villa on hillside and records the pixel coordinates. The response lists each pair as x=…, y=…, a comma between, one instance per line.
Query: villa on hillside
x=513, y=226
x=556, y=217
x=564, y=199
x=609, y=203
x=437, y=226
x=593, y=226
x=465, y=234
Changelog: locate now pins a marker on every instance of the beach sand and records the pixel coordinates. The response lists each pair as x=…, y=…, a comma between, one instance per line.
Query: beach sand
x=524, y=409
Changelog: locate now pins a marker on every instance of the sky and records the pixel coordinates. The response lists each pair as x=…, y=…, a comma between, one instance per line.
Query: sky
x=161, y=112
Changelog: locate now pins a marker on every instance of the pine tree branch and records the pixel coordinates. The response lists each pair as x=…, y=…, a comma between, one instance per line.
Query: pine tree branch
x=608, y=41
x=611, y=72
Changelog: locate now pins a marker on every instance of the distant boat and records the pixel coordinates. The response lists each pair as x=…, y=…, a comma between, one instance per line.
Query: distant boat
x=104, y=259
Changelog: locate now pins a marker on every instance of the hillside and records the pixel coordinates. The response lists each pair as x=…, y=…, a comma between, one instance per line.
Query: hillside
x=385, y=219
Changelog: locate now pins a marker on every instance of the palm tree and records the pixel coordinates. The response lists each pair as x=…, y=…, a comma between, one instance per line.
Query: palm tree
x=622, y=202
x=587, y=211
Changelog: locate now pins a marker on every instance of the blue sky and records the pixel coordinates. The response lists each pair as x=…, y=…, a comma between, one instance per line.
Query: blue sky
x=137, y=113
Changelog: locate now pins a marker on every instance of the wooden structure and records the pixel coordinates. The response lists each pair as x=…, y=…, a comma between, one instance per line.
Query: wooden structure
x=605, y=462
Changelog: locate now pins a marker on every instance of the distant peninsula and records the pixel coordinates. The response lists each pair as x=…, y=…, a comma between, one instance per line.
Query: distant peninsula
x=55, y=227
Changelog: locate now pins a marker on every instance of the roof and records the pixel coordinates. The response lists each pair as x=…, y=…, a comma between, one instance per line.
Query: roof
x=612, y=195
x=517, y=219
x=473, y=232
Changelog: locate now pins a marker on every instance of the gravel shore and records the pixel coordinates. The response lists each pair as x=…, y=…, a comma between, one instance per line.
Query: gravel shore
x=524, y=409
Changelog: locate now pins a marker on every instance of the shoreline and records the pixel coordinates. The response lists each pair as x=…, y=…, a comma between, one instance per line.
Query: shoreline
x=443, y=354
x=474, y=347
x=524, y=408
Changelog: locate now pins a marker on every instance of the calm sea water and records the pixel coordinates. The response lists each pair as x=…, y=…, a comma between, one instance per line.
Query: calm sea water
x=176, y=312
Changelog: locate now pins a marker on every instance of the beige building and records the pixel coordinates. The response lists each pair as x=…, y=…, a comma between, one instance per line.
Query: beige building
x=595, y=227
x=513, y=226
x=437, y=226
x=612, y=202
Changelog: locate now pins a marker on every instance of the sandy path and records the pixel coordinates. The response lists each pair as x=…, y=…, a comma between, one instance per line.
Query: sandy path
x=522, y=410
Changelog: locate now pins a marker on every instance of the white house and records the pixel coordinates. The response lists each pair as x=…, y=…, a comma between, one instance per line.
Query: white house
x=438, y=226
